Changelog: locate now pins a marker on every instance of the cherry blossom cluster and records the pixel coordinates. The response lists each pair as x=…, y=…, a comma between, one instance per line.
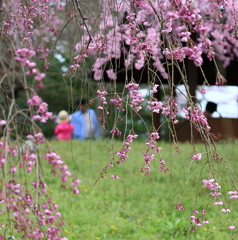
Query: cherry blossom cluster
x=155, y=88
x=220, y=80
x=24, y=16
x=125, y=149
x=29, y=25
x=192, y=53
x=79, y=58
x=155, y=106
x=212, y=185
x=117, y=101
x=29, y=160
x=151, y=141
x=23, y=206
x=101, y=95
x=43, y=51
x=147, y=158
x=179, y=206
x=114, y=176
x=97, y=68
x=233, y=194
x=5, y=152
x=42, y=114
x=7, y=26
x=36, y=138
x=95, y=46
x=104, y=171
x=197, y=117
x=23, y=56
x=135, y=95
x=197, y=156
x=171, y=109
x=74, y=67
x=22, y=203
x=197, y=219
x=58, y=164
x=149, y=154
x=75, y=184
x=111, y=74
x=116, y=131
x=143, y=28
x=140, y=46
x=176, y=53
x=40, y=185
x=163, y=167
x=98, y=45
x=27, y=29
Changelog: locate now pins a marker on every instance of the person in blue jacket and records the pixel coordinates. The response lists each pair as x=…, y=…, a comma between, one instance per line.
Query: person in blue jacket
x=84, y=121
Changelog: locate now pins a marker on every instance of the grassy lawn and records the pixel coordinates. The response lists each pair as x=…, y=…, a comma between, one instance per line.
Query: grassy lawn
x=139, y=207
x=134, y=206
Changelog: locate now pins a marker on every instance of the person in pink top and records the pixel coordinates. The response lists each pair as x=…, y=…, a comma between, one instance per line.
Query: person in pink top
x=64, y=129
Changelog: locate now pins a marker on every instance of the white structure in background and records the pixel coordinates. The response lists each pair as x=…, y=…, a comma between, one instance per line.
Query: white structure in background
x=226, y=98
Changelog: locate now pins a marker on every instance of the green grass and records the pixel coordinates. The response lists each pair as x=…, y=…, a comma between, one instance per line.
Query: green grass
x=138, y=207
x=135, y=207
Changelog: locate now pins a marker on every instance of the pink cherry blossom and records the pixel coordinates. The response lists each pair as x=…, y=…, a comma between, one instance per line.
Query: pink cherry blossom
x=218, y=203
x=225, y=210
x=203, y=91
x=114, y=176
x=197, y=156
x=3, y=122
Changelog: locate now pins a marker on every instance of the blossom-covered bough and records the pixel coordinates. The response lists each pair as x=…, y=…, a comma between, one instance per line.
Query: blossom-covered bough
x=151, y=36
